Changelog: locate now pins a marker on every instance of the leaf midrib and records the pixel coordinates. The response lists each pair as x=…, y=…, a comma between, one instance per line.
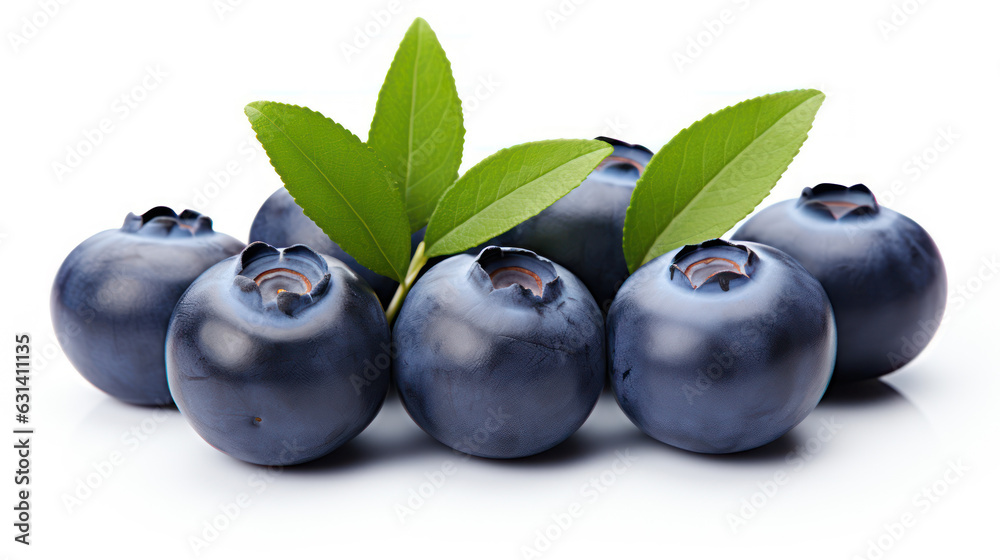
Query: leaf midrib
x=649, y=250
x=347, y=202
x=455, y=226
x=412, y=116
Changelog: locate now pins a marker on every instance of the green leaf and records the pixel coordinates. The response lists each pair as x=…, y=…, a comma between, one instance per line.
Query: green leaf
x=712, y=174
x=338, y=181
x=507, y=188
x=417, y=129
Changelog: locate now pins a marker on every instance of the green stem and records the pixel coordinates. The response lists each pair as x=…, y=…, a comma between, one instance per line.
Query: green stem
x=416, y=263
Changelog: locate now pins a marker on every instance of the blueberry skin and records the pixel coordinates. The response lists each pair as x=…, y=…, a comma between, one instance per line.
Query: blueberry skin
x=720, y=371
x=280, y=222
x=278, y=378
x=499, y=373
x=582, y=231
x=113, y=296
x=883, y=273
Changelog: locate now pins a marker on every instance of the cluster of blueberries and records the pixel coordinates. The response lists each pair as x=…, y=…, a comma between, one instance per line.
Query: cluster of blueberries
x=279, y=352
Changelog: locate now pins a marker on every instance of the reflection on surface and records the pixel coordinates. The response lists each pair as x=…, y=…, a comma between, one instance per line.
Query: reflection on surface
x=110, y=417
x=871, y=417
x=852, y=463
x=863, y=393
x=871, y=409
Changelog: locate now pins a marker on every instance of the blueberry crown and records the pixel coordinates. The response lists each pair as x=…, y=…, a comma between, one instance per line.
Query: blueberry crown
x=164, y=222
x=285, y=280
x=628, y=160
x=619, y=144
x=526, y=273
x=838, y=201
x=714, y=260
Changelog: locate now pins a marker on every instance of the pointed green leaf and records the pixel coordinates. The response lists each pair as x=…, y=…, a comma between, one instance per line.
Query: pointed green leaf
x=507, y=188
x=417, y=129
x=339, y=183
x=712, y=174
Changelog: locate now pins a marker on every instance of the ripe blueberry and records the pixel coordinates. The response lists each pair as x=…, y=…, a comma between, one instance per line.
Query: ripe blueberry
x=499, y=355
x=582, y=231
x=882, y=272
x=113, y=295
x=718, y=348
x=282, y=223
x=278, y=357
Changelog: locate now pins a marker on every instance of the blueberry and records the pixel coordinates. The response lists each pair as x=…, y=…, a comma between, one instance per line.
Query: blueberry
x=282, y=223
x=582, y=231
x=499, y=355
x=718, y=348
x=882, y=272
x=278, y=357
x=113, y=295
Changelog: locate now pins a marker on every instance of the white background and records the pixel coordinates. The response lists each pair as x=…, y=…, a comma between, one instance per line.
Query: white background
x=925, y=90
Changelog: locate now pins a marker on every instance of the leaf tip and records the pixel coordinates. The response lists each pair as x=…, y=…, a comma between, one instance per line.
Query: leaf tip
x=816, y=94
x=252, y=109
x=419, y=23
